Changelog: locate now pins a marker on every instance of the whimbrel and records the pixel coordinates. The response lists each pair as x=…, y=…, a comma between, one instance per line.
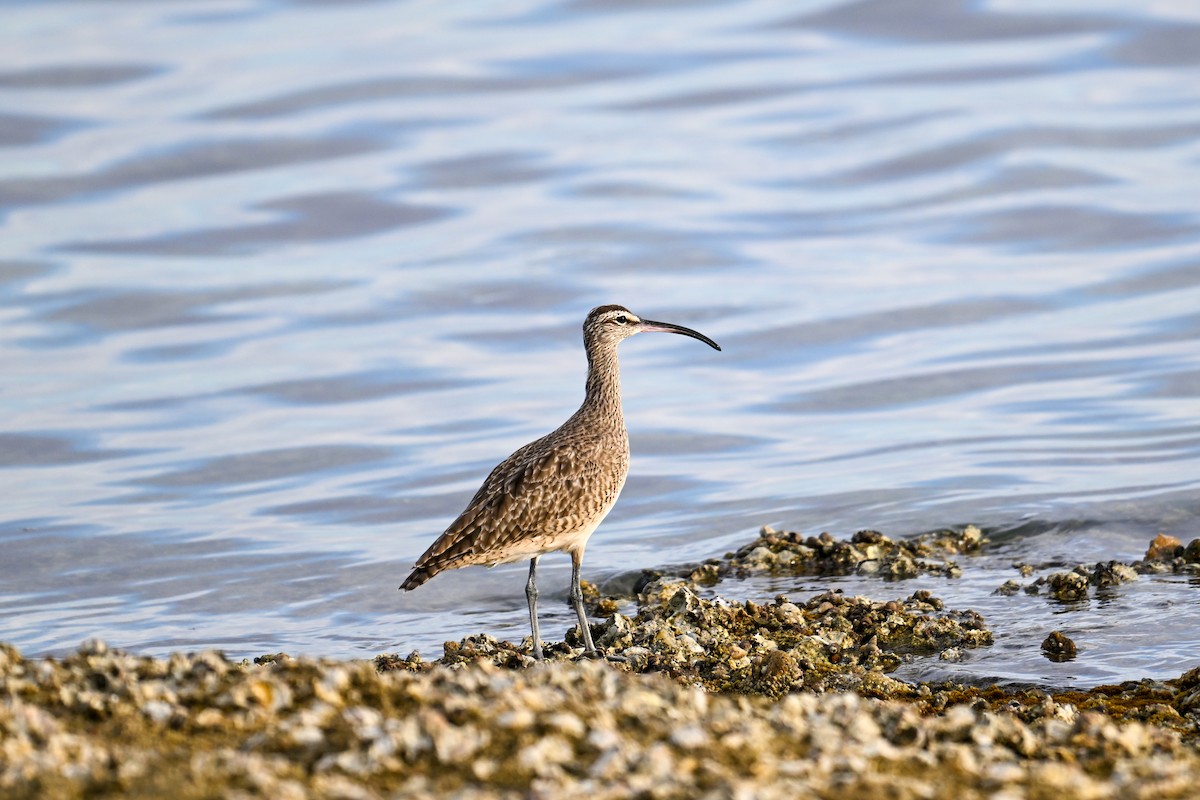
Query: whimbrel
x=552, y=493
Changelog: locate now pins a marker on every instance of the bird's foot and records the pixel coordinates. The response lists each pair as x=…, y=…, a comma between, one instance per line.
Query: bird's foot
x=536, y=651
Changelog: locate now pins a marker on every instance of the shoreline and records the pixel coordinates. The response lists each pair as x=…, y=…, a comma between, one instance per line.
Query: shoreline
x=710, y=697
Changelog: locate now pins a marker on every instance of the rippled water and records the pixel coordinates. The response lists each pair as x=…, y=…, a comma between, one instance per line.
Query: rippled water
x=281, y=281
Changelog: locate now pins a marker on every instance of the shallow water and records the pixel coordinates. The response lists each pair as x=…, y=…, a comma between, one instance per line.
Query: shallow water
x=281, y=281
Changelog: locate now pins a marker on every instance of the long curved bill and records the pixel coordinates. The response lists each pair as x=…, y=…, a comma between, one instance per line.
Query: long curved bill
x=649, y=325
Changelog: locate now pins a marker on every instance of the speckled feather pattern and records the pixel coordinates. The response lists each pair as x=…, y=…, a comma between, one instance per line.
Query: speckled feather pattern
x=537, y=499
x=547, y=494
x=553, y=493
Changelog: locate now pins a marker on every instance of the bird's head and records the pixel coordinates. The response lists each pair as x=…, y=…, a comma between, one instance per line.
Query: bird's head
x=610, y=325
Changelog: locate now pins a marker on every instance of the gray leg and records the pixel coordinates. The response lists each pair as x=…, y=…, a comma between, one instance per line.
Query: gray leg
x=531, y=594
x=577, y=600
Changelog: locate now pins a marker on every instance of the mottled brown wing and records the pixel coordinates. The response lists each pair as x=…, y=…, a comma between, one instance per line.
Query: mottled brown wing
x=539, y=491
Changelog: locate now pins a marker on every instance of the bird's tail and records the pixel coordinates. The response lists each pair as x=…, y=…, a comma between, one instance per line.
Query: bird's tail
x=418, y=576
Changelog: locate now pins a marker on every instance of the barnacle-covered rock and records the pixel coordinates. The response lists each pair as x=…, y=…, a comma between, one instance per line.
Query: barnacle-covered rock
x=476, y=729
x=1076, y=584
x=1008, y=588
x=828, y=642
x=866, y=552
x=1166, y=554
x=1059, y=647
x=1191, y=553
x=775, y=699
x=1067, y=585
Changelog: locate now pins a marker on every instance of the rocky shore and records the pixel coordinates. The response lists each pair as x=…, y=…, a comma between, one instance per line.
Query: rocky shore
x=699, y=696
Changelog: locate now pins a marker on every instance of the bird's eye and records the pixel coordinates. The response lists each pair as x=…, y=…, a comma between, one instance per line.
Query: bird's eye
x=621, y=319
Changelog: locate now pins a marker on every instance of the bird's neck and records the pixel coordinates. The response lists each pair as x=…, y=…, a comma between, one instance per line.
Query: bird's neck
x=603, y=382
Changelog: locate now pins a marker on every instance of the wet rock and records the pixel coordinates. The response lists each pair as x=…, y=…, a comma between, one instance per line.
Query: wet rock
x=1059, y=647
x=271, y=658
x=1111, y=573
x=1167, y=554
x=1067, y=586
x=1164, y=556
x=1163, y=548
x=1008, y=588
x=866, y=552
x=829, y=642
x=1191, y=553
x=1074, y=585
x=1026, y=570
